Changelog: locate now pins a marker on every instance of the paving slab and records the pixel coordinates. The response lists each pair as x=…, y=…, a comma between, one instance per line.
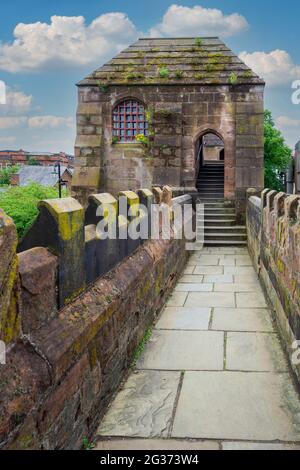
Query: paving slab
x=238, y=406
x=194, y=287
x=210, y=299
x=183, y=350
x=207, y=260
x=191, y=278
x=251, y=300
x=155, y=444
x=259, y=446
x=231, y=251
x=235, y=287
x=254, y=352
x=183, y=318
x=239, y=270
x=220, y=278
x=242, y=278
x=227, y=261
x=144, y=407
x=243, y=261
x=189, y=270
x=242, y=319
x=209, y=270
x=177, y=299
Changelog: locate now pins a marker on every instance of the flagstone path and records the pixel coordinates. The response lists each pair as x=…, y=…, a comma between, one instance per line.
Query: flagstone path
x=213, y=375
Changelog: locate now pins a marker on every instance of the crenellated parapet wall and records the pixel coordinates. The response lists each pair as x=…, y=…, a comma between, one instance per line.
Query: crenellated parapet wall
x=273, y=223
x=77, y=338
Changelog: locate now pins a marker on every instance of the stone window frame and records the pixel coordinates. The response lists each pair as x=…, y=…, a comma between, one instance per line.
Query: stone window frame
x=131, y=100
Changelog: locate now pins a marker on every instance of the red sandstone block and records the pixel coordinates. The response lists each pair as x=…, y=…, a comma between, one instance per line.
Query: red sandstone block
x=58, y=399
x=37, y=269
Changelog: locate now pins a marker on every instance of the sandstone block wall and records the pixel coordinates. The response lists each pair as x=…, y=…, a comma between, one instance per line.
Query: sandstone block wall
x=273, y=224
x=70, y=353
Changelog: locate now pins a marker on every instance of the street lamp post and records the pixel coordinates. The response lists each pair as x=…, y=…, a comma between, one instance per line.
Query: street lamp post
x=61, y=182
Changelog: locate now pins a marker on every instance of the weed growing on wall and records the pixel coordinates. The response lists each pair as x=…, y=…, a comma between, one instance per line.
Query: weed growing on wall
x=141, y=347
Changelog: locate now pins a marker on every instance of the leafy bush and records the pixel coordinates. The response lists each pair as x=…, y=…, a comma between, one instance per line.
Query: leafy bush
x=277, y=154
x=5, y=174
x=20, y=203
x=198, y=42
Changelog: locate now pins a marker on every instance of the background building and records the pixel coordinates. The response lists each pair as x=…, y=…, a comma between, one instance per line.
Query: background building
x=22, y=157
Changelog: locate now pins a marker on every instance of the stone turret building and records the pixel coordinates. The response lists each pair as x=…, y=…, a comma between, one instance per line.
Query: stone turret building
x=142, y=119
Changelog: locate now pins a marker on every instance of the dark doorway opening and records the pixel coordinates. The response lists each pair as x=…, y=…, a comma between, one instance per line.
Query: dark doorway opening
x=210, y=151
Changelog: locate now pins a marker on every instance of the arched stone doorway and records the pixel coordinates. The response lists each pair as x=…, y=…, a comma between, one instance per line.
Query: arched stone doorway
x=210, y=161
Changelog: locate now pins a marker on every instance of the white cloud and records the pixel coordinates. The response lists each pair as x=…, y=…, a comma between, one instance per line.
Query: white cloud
x=12, y=122
x=287, y=122
x=70, y=41
x=36, y=122
x=276, y=67
x=198, y=21
x=54, y=122
x=7, y=139
x=17, y=103
x=66, y=40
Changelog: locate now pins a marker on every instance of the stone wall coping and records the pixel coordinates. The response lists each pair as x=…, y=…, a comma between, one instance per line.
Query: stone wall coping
x=256, y=201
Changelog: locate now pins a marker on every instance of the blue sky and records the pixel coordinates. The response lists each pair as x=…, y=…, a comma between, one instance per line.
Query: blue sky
x=42, y=59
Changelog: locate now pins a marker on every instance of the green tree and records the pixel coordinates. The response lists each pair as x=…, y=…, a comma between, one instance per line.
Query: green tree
x=20, y=203
x=33, y=162
x=5, y=174
x=278, y=155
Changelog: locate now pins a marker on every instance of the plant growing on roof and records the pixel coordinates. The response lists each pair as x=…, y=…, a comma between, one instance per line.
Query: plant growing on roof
x=163, y=72
x=247, y=74
x=134, y=76
x=233, y=78
x=198, y=42
x=103, y=87
x=179, y=74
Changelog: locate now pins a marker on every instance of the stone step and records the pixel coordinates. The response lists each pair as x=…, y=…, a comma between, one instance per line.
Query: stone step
x=225, y=236
x=218, y=205
x=211, y=176
x=219, y=222
x=219, y=216
x=219, y=210
x=210, y=183
x=230, y=229
x=224, y=243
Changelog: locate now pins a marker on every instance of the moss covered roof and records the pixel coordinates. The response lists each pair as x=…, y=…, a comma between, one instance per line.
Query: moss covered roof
x=170, y=61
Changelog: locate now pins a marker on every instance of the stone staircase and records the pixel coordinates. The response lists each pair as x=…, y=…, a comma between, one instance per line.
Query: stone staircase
x=220, y=228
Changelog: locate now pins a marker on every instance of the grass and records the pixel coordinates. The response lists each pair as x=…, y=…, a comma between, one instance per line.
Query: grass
x=139, y=350
x=20, y=203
